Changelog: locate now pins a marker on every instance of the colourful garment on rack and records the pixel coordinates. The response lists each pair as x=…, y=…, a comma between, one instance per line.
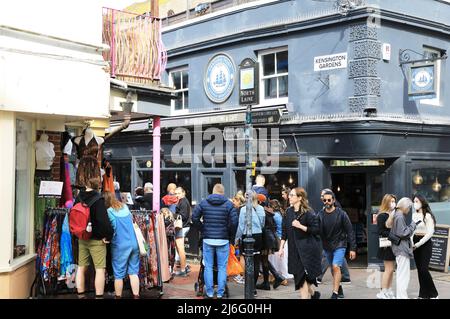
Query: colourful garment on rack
x=67, y=194
x=148, y=271
x=66, y=248
x=163, y=249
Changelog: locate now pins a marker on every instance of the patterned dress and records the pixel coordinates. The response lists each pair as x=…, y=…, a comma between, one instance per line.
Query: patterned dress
x=88, y=166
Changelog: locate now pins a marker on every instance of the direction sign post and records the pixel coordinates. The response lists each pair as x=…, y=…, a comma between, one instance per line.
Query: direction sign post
x=248, y=95
x=266, y=117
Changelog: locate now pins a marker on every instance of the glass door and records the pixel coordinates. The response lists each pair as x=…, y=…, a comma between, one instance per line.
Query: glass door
x=209, y=180
x=375, y=191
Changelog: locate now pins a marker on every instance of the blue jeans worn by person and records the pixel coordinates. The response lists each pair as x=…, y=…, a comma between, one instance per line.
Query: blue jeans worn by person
x=221, y=253
x=344, y=268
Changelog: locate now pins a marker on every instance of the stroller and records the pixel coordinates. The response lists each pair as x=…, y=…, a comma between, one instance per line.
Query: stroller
x=200, y=284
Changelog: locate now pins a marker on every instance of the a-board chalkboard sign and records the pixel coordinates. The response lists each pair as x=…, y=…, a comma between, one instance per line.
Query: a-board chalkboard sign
x=441, y=248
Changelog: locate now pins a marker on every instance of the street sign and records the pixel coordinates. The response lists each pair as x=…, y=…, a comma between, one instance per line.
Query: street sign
x=231, y=133
x=248, y=82
x=266, y=117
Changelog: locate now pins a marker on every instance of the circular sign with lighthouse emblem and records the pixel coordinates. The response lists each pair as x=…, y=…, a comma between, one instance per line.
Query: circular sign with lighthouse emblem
x=219, y=78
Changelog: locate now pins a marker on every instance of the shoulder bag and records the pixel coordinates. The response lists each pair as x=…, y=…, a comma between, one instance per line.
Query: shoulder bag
x=140, y=240
x=384, y=242
x=178, y=223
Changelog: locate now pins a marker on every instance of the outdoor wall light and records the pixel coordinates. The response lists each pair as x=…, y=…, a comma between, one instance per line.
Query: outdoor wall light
x=417, y=179
x=436, y=186
x=291, y=180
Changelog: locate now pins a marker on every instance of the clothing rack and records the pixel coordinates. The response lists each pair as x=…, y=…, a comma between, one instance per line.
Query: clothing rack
x=48, y=282
x=152, y=214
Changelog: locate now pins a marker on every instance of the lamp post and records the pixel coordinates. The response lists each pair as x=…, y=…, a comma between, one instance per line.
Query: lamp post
x=248, y=95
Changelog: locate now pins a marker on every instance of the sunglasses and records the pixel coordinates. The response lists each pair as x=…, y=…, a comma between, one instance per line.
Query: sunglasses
x=329, y=200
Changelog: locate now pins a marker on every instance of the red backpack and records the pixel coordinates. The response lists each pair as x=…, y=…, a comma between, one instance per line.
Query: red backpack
x=80, y=216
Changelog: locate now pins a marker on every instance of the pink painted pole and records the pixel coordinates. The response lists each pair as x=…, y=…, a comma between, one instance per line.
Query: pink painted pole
x=113, y=45
x=156, y=162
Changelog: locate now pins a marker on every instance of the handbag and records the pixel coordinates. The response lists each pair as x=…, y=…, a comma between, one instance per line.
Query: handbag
x=140, y=240
x=395, y=240
x=234, y=267
x=178, y=223
x=384, y=242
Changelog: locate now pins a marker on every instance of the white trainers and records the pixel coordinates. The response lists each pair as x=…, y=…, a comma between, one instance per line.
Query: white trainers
x=390, y=294
x=239, y=279
x=383, y=295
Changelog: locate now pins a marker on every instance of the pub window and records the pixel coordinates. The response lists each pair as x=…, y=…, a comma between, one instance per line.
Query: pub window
x=274, y=74
x=179, y=79
x=433, y=182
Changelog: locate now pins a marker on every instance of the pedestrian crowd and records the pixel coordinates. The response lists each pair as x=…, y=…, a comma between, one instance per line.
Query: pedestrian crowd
x=290, y=240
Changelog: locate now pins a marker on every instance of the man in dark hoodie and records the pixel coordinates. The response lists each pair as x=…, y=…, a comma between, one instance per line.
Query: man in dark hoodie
x=95, y=247
x=218, y=225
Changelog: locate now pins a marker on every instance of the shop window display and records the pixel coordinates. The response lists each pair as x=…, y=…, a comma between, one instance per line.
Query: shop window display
x=22, y=188
x=434, y=184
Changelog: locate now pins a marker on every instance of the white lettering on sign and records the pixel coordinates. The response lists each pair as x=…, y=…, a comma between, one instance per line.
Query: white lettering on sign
x=330, y=62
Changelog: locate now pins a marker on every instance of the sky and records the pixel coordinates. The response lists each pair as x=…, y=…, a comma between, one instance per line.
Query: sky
x=118, y=4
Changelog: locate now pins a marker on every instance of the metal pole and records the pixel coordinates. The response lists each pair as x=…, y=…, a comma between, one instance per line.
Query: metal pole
x=156, y=162
x=249, y=241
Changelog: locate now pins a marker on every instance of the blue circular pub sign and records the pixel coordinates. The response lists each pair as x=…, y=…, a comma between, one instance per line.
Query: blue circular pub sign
x=219, y=78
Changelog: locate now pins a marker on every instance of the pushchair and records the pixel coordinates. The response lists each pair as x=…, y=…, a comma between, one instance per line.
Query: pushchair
x=200, y=284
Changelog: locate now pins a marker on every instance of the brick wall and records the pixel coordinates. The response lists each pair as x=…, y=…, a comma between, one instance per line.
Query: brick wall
x=55, y=139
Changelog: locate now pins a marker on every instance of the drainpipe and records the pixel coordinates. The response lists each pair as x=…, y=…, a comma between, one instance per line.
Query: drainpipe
x=126, y=106
x=156, y=162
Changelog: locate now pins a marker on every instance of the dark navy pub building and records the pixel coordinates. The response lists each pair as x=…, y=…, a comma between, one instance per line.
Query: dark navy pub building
x=361, y=86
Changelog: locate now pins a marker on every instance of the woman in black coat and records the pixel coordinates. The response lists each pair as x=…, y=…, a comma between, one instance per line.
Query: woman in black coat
x=301, y=230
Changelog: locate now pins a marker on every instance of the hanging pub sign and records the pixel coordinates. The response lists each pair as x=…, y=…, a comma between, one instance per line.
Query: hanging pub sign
x=422, y=81
x=248, y=82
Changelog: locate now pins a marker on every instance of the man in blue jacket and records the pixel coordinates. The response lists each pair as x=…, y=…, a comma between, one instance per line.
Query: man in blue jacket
x=217, y=219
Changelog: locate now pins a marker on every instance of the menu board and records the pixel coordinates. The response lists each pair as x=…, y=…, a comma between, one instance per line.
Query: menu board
x=441, y=250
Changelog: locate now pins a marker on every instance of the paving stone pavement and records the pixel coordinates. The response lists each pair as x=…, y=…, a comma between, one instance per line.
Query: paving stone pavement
x=362, y=279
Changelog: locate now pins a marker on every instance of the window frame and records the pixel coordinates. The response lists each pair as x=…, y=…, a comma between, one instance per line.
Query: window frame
x=182, y=69
x=30, y=253
x=262, y=78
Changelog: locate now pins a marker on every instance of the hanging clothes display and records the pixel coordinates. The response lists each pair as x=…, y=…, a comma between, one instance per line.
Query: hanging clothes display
x=67, y=193
x=88, y=166
x=164, y=251
x=54, y=263
x=150, y=269
x=40, y=204
x=108, y=178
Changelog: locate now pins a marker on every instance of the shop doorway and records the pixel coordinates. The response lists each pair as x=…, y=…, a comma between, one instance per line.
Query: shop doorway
x=208, y=181
x=350, y=190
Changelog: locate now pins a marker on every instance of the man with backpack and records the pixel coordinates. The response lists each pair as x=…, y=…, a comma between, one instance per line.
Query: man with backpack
x=90, y=210
x=336, y=232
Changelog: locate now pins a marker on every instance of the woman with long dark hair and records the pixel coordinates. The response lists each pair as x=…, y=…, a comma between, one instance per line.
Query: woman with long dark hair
x=422, y=246
x=301, y=230
x=385, y=253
